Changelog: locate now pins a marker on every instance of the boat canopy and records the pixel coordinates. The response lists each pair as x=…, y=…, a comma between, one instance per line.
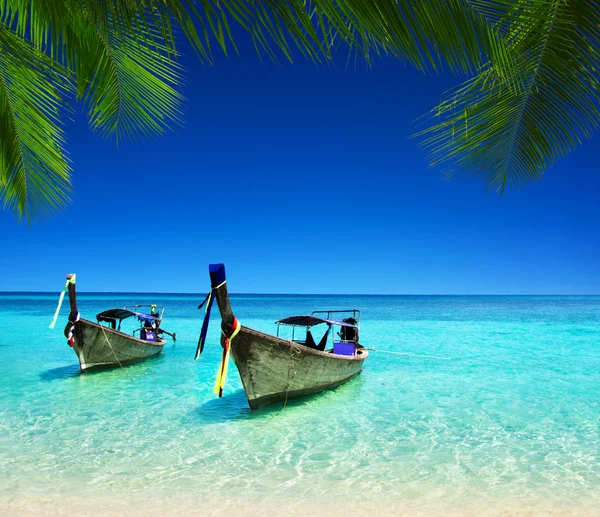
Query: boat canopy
x=311, y=321
x=120, y=314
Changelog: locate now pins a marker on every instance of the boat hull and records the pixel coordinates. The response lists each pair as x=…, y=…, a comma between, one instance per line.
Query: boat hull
x=99, y=347
x=274, y=369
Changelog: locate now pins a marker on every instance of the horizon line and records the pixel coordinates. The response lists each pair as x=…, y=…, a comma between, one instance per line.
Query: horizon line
x=299, y=294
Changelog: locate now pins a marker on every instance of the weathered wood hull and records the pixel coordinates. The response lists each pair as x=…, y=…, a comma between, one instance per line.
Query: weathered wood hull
x=274, y=369
x=100, y=347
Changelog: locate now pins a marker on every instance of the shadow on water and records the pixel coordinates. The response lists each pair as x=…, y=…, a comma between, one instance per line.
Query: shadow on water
x=72, y=370
x=234, y=406
x=62, y=372
x=231, y=406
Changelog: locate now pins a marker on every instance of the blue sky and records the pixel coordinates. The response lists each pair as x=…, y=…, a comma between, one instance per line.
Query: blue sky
x=303, y=179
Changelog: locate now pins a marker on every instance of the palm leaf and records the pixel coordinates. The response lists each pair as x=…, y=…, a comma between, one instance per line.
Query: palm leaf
x=123, y=52
x=126, y=78
x=34, y=171
x=125, y=70
x=96, y=37
x=429, y=34
x=510, y=135
x=426, y=33
x=128, y=81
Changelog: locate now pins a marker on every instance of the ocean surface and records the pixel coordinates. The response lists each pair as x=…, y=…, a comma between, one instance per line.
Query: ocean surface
x=502, y=416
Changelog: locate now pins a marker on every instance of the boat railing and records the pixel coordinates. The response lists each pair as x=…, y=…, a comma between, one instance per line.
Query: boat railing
x=157, y=310
x=149, y=305
x=355, y=314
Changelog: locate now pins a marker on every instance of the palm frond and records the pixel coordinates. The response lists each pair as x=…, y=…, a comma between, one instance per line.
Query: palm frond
x=510, y=135
x=128, y=81
x=125, y=69
x=34, y=171
x=122, y=50
x=427, y=33
x=498, y=124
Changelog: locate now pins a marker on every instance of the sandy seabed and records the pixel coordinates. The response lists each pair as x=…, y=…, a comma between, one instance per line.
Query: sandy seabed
x=197, y=505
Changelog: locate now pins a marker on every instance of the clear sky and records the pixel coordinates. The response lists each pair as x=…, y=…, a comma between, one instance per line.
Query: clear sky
x=303, y=179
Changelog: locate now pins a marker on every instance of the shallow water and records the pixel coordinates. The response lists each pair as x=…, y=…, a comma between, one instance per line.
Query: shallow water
x=503, y=418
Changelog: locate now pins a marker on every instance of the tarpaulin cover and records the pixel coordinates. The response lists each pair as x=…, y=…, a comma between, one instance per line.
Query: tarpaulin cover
x=114, y=314
x=311, y=321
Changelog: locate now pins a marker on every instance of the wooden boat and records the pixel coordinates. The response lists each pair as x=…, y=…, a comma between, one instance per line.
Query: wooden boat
x=274, y=369
x=105, y=346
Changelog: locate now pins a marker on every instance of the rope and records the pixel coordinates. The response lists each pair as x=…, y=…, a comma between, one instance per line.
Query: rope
x=294, y=351
x=114, y=353
x=70, y=328
x=222, y=373
x=411, y=354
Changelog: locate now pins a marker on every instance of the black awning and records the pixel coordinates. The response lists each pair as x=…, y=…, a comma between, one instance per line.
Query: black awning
x=311, y=321
x=114, y=315
x=302, y=321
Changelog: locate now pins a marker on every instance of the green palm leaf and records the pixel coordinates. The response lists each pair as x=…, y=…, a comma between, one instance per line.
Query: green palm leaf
x=427, y=33
x=123, y=56
x=34, y=171
x=125, y=70
x=125, y=75
x=128, y=81
x=509, y=134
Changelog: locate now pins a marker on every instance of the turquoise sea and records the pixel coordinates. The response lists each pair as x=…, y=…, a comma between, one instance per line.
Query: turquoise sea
x=502, y=418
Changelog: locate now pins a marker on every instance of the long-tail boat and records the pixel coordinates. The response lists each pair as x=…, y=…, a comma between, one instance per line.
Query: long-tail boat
x=105, y=346
x=274, y=369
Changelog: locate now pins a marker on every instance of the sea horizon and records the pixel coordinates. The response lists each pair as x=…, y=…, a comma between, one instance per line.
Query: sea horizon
x=324, y=295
